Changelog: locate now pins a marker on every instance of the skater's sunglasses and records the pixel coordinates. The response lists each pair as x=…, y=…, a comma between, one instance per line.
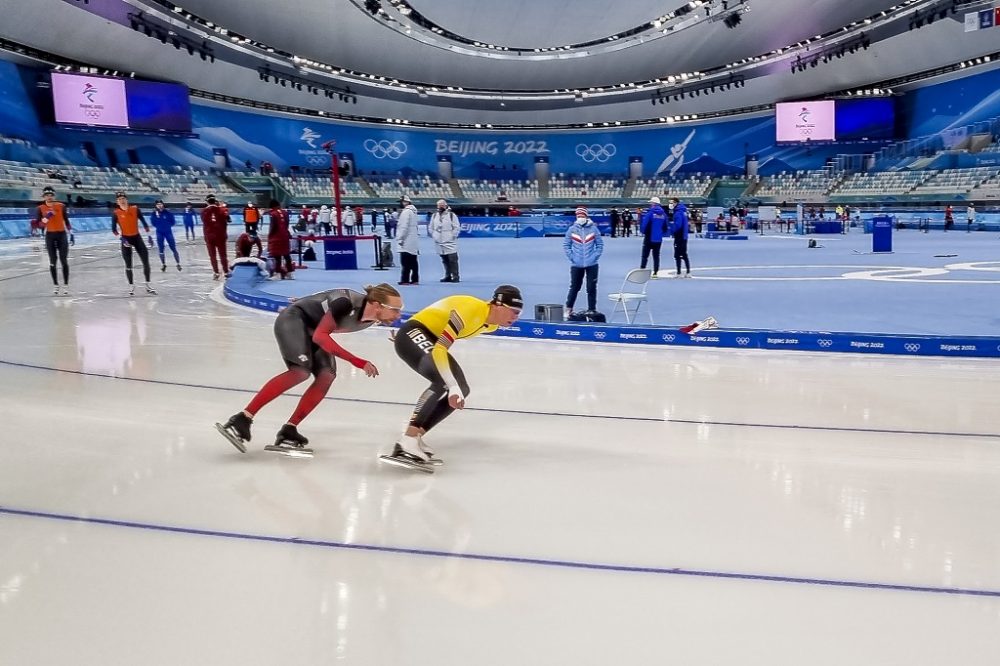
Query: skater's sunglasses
x=392, y=307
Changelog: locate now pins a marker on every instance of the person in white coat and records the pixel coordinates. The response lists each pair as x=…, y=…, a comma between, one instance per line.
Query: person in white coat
x=348, y=219
x=444, y=228
x=406, y=237
x=324, y=219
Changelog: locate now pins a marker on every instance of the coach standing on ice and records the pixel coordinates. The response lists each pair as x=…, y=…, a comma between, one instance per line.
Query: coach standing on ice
x=444, y=228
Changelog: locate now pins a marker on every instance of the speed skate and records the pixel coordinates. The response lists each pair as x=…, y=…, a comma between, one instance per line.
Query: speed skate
x=290, y=450
x=401, y=458
x=232, y=437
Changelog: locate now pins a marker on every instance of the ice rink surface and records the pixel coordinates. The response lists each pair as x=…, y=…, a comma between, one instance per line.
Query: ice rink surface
x=598, y=504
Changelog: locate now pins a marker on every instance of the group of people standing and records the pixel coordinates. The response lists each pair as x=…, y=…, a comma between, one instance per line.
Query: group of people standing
x=127, y=218
x=583, y=246
x=444, y=228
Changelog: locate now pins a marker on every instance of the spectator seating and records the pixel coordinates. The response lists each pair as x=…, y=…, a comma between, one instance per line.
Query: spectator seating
x=893, y=183
x=499, y=190
x=695, y=186
x=564, y=186
x=798, y=185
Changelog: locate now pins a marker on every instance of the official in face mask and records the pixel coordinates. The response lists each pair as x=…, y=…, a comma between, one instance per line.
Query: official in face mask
x=444, y=228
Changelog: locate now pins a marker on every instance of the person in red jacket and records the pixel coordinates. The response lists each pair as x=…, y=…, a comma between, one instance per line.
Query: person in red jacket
x=213, y=220
x=279, y=241
x=245, y=244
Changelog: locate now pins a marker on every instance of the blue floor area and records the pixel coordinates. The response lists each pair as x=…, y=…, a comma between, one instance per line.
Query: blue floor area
x=767, y=282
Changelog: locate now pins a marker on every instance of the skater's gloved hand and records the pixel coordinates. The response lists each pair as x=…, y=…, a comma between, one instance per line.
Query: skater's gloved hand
x=49, y=215
x=125, y=243
x=367, y=366
x=455, y=398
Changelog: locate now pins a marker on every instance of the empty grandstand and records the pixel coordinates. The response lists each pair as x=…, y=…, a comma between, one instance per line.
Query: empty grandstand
x=180, y=182
x=956, y=181
x=315, y=188
x=886, y=183
x=695, y=186
x=416, y=186
x=807, y=185
x=567, y=186
x=499, y=190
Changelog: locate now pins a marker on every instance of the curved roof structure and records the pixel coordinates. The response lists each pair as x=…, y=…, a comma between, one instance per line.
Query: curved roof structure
x=513, y=62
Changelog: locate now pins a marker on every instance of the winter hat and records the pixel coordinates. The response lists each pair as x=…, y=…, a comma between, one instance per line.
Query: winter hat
x=654, y=200
x=581, y=211
x=508, y=295
x=48, y=190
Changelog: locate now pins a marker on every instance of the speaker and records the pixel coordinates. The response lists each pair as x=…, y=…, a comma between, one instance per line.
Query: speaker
x=549, y=312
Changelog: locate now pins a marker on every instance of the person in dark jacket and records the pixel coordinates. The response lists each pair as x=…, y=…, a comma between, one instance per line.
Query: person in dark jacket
x=652, y=226
x=679, y=228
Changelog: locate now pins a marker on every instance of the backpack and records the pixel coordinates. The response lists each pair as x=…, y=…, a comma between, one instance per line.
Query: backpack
x=592, y=316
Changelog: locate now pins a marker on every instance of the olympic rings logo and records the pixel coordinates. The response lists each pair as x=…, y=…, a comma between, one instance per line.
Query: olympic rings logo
x=596, y=152
x=669, y=337
x=600, y=335
x=92, y=113
x=385, y=148
x=538, y=331
x=743, y=342
x=317, y=160
x=911, y=347
x=824, y=342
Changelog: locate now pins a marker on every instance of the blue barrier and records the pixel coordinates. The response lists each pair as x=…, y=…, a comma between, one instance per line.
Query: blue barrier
x=243, y=288
x=882, y=233
x=526, y=226
x=725, y=235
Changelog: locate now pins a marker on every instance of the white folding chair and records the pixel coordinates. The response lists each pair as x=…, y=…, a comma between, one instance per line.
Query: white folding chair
x=637, y=277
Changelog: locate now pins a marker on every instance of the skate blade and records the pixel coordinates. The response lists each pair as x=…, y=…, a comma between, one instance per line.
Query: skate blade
x=436, y=462
x=398, y=462
x=232, y=440
x=290, y=452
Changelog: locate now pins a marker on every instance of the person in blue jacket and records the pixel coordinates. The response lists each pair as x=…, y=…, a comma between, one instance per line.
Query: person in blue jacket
x=163, y=221
x=189, y=218
x=679, y=230
x=583, y=246
x=652, y=226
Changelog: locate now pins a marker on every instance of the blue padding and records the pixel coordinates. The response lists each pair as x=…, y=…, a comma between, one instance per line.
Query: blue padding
x=725, y=235
x=242, y=288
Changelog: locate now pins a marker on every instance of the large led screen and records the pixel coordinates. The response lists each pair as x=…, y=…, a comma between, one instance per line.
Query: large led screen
x=798, y=122
x=89, y=100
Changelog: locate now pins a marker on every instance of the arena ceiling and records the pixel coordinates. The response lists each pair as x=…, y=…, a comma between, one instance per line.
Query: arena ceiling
x=341, y=32
x=506, y=62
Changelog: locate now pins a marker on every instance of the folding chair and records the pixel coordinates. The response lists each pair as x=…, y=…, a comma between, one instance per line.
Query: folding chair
x=637, y=277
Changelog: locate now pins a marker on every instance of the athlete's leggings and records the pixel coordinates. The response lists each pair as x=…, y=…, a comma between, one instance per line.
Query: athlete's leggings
x=128, y=244
x=58, y=241
x=168, y=238
x=413, y=345
x=217, y=253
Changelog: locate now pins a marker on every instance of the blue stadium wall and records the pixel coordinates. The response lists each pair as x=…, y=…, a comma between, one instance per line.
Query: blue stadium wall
x=286, y=141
